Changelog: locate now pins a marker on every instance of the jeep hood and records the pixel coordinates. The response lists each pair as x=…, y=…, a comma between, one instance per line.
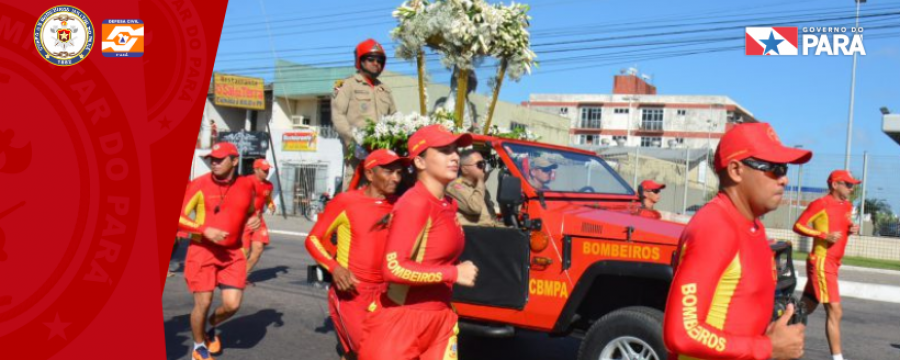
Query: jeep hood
x=584, y=221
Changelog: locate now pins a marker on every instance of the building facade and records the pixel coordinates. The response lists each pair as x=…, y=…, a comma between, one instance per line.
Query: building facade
x=635, y=115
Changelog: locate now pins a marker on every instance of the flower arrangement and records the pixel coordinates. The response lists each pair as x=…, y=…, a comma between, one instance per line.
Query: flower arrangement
x=393, y=131
x=464, y=32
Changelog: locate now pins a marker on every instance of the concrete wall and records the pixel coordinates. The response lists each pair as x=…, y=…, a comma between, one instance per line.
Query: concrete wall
x=308, y=107
x=871, y=247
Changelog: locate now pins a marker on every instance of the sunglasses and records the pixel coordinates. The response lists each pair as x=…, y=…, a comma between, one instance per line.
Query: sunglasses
x=546, y=169
x=377, y=59
x=777, y=170
x=848, y=185
x=655, y=191
x=480, y=165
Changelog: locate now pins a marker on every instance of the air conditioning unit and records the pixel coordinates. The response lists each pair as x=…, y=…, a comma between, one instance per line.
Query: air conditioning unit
x=298, y=121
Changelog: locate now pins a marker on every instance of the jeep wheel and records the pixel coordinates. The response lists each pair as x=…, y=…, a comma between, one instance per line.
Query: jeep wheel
x=633, y=333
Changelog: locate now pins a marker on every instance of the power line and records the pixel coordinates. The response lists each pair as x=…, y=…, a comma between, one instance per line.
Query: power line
x=432, y=57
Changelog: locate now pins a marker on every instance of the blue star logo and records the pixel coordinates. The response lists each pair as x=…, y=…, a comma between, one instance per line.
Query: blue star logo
x=771, y=43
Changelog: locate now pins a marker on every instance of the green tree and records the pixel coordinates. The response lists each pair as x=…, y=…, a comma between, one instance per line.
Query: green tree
x=880, y=211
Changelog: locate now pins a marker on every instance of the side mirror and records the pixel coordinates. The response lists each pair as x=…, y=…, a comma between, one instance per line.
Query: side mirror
x=510, y=191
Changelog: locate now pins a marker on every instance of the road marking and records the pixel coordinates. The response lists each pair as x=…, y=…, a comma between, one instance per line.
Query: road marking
x=289, y=233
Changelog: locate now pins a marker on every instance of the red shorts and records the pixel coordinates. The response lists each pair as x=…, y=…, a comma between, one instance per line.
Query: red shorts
x=207, y=266
x=822, y=279
x=402, y=333
x=261, y=234
x=349, y=310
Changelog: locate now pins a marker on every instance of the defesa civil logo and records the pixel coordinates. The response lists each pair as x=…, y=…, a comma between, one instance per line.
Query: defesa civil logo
x=123, y=37
x=814, y=40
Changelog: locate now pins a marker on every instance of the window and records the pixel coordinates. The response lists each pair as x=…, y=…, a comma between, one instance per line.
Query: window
x=679, y=141
x=514, y=125
x=652, y=119
x=651, y=141
x=574, y=172
x=682, y=112
x=620, y=111
x=620, y=139
x=564, y=111
x=590, y=117
x=589, y=140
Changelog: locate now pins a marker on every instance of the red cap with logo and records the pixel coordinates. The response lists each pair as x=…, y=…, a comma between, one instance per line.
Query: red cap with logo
x=222, y=150
x=261, y=164
x=435, y=136
x=759, y=141
x=842, y=175
x=652, y=185
x=383, y=157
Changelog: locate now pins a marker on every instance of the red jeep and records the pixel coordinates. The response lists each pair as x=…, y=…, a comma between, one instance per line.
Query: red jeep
x=572, y=257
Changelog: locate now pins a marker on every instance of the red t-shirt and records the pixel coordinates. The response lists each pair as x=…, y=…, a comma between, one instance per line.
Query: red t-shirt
x=723, y=292
x=234, y=203
x=263, y=189
x=827, y=215
x=424, y=243
x=361, y=226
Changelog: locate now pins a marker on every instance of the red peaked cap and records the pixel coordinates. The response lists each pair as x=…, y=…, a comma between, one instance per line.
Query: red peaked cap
x=435, y=136
x=759, y=141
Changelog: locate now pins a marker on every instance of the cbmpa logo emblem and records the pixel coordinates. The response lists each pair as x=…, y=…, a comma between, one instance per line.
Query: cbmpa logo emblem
x=771, y=40
x=64, y=35
x=123, y=38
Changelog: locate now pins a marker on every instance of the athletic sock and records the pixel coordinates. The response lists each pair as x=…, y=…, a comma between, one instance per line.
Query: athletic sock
x=837, y=357
x=199, y=345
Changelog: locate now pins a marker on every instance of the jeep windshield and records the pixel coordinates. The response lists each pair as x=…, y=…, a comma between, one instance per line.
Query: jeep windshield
x=552, y=170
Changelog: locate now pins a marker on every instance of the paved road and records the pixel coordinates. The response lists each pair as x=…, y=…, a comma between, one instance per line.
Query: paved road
x=284, y=318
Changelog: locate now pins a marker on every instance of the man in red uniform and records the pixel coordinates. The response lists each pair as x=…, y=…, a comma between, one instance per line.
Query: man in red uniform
x=360, y=219
x=221, y=202
x=648, y=194
x=425, y=240
x=722, y=297
x=255, y=239
x=831, y=220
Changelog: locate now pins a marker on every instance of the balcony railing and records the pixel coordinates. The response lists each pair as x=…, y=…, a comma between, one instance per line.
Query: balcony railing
x=590, y=124
x=652, y=126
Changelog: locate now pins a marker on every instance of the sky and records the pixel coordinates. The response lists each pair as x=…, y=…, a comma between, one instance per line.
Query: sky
x=687, y=47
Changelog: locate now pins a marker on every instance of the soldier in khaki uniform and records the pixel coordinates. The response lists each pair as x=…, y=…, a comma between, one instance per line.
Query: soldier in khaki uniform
x=469, y=191
x=541, y=173
x=358, y=98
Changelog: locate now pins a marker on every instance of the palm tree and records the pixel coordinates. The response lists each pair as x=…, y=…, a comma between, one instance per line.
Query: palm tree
x=881, y=212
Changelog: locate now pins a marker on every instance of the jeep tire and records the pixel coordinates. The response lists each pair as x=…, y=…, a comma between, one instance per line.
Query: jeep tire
x=637, y=330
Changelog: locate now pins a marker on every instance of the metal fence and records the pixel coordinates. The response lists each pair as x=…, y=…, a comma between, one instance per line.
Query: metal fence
x=302, y=185
x=691, y=182
x=876, y=200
